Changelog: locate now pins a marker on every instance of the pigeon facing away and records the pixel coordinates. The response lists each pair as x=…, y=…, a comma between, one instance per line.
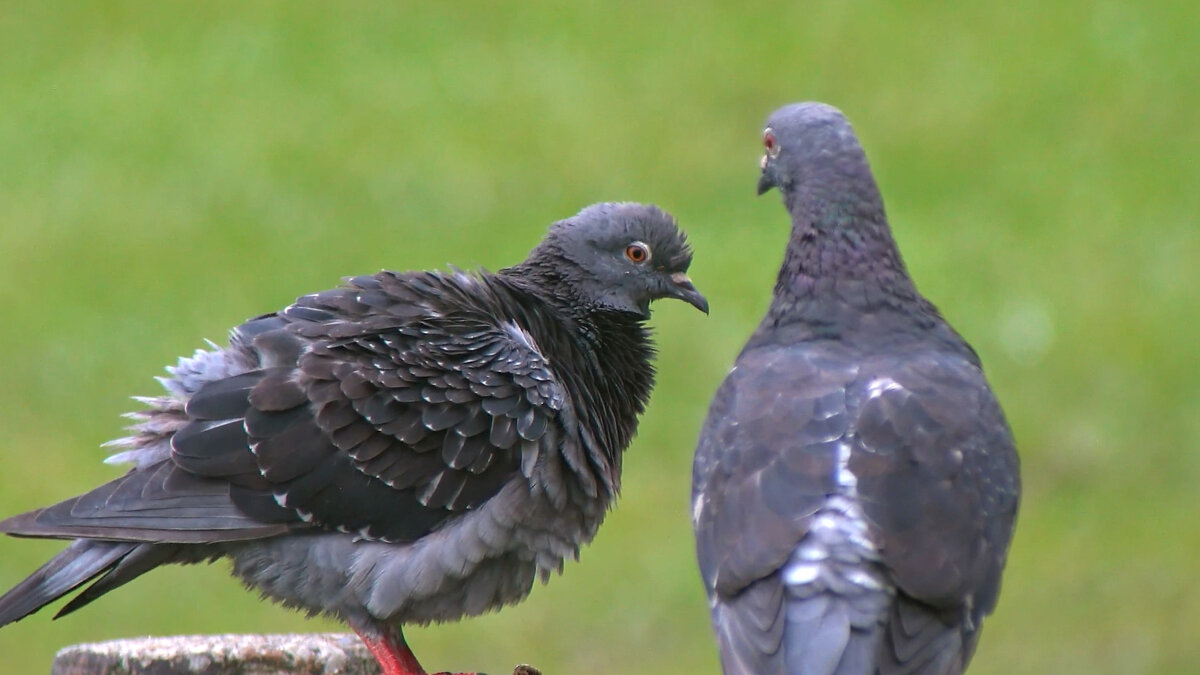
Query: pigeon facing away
x=855, y=485
x=409, y=448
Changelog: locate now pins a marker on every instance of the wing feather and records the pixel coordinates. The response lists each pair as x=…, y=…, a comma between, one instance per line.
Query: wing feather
x=384, y=408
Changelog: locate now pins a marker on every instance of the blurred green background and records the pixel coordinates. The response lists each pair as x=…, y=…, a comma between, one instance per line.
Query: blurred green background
x=167, y=170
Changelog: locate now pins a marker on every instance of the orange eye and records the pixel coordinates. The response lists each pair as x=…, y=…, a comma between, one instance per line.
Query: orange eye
x=769, y=143
x=637, y=252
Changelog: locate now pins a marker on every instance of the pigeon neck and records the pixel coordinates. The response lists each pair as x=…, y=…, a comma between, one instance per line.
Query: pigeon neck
x=841, y=259
x=543, y=278
x=611, y=352
x=599, y=328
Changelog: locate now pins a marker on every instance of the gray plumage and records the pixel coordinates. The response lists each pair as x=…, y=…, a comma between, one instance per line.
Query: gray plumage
x=855, y=485
x=410, y=447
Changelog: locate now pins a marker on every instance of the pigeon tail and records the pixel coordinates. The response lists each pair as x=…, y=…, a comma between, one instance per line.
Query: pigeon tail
x=921, y=642
x=80, y=562
x=822, y=638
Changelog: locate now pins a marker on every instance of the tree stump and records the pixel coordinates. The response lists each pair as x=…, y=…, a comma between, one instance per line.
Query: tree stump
x=294, y=654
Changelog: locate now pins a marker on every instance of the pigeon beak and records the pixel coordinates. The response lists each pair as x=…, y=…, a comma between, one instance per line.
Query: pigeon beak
x=682, y=288
x=766, y=181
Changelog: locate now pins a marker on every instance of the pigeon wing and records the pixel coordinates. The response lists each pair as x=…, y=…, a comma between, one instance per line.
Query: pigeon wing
x=411, y=404
x=937, y=476
x=765, y=463
x=375, y=413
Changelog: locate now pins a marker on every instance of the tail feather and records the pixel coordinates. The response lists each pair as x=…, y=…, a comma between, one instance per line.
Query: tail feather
x=142, y=559
x=81, y=561
x=828, y=634
x=823, y=637
x=921, y=641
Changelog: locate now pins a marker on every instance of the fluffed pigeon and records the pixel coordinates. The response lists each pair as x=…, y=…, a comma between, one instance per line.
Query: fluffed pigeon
x=409, y=448
x=855, y=485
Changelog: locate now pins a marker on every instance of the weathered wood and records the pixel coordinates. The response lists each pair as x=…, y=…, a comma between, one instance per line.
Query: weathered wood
x=306, y=654
x=293, y=654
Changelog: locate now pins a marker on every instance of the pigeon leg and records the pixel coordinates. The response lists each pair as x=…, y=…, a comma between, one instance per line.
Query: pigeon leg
x=393, y=654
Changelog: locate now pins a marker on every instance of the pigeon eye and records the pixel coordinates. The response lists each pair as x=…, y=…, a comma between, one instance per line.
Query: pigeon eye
x=769, y=143
x=637, y=252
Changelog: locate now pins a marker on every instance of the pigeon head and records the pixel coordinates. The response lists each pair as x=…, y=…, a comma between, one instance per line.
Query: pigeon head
x=813, y=156
x=620, y=257
x=841, y=247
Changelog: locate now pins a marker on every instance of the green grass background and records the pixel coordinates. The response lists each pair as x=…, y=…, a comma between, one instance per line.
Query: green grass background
x=169, y=169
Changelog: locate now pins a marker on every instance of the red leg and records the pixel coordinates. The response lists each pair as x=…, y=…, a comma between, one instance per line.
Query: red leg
x=393, y=654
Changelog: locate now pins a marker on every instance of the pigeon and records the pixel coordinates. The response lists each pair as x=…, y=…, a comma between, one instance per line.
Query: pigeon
x=408, y=448
x=855, y=484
